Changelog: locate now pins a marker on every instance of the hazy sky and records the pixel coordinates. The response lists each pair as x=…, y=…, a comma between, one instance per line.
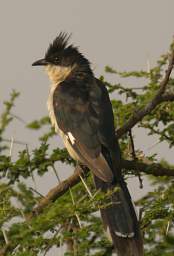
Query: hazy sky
x=120, y=33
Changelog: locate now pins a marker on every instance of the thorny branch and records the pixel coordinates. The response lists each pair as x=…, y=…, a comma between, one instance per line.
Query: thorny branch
x=63, y=187
x=59, y=190
x=158, y=98
x=154, y=169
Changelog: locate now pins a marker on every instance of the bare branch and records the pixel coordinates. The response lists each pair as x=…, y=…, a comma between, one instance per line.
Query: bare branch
x=167, y=97
x=150, y=168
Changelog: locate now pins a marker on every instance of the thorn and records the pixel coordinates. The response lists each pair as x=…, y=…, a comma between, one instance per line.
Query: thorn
x=152, y=146
x=168, y=226
x=35, y=191
x=86, y=187
x=82, y=198
x=18, y=118
x=78, y=219
x=16, y=249
x=23, y=215
x=98, y=191
x=11, y=146
x=5, y=235
x=32, y=175
x=56, y=173
x=15, y=141
x=148, y=66
x=77, y=216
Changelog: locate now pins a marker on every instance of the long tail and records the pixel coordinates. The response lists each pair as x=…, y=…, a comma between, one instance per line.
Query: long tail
x=119, y=218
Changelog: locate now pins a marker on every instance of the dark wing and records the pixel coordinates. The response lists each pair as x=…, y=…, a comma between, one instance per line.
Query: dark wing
x=106, y=127
x=109, y=142
x=84, y=114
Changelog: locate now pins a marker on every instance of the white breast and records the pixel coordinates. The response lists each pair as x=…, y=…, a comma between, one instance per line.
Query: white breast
x=51, y=108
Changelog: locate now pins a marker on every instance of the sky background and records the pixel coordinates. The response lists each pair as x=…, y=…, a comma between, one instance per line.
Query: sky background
x=120, y=33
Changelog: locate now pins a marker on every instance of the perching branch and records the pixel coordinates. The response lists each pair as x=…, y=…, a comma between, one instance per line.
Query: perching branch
x=149, y=169
x=158, y=98
x=59, y=190
x=63, y=187
x=167, y=97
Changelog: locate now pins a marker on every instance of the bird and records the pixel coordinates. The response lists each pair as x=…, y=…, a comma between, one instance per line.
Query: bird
x=81, y=112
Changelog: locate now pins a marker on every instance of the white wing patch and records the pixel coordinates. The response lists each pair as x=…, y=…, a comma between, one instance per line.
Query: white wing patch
x=119, y=234
x=71, y=137
x=129, y=235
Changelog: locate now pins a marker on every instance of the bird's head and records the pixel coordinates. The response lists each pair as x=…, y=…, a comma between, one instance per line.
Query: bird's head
x=62, y=58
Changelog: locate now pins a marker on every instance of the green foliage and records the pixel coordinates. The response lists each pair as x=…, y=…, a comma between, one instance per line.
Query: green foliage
x=157, y=222
x=6, y=117
x=72, y=219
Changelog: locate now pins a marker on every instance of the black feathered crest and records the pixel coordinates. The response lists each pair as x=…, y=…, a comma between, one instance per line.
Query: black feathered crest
x=59, y=44
x=63, y=54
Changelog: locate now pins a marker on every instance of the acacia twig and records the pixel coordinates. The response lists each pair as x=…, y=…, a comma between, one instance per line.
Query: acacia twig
x=134, y=157
x=157, y=99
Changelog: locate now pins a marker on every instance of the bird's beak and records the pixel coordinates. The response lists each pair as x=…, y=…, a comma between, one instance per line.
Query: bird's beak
x=41, y=62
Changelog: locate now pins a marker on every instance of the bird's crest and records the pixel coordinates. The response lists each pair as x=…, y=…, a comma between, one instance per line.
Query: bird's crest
x=59, y=44
x=61, y=53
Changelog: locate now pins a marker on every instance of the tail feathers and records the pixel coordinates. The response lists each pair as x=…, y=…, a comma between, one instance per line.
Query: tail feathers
x=120, y=221
x=127, y=247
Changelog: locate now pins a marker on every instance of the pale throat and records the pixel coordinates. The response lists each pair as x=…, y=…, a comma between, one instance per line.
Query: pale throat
x=57, y=74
